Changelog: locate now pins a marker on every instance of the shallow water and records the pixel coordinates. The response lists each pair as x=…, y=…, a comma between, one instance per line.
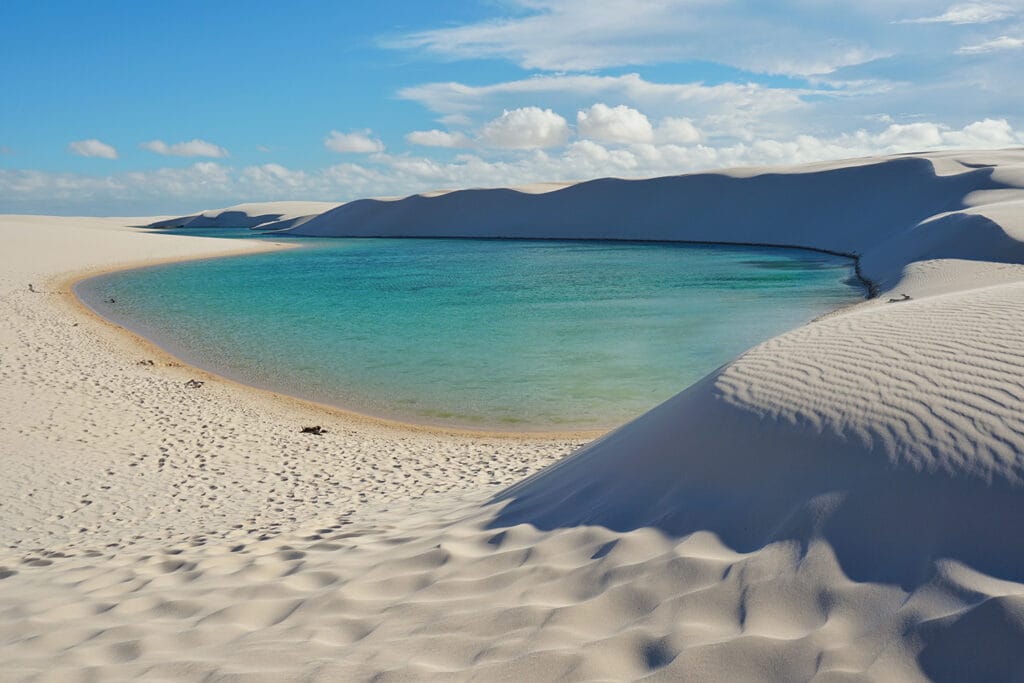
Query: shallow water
x=510, y=335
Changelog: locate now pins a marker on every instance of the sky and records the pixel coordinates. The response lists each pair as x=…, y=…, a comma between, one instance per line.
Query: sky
x=138, y=108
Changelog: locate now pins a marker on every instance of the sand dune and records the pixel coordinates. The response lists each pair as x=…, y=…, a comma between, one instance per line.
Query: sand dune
x=840, y=503
x=259, y=215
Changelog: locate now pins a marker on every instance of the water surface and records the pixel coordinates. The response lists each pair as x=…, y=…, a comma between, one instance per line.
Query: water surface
x=508, y=335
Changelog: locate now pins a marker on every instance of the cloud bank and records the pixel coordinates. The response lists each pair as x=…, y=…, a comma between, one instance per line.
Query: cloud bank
x=214, y=184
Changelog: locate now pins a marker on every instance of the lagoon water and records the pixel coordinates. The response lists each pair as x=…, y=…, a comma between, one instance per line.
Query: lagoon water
x=506, y=335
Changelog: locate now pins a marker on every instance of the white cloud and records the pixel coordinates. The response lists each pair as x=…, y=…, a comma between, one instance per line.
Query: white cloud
x=793, y=37
x=620, y=124
x=525, y=128
x=677, y=130
x=924, y=136
x=968, y=13
x=986, y=134
x=262, y=148
x=189, y=148
x=533, y=128
x=438, y=138
x=995, y=45
x=93, y=148
x=358, y=142
x=274, y=175
x=745, y=110
x=909, y=137
x=920, y=75
x=735, y=105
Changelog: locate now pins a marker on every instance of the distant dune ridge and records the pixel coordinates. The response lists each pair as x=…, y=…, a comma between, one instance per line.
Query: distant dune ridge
x=844, y=502
x=256, y=215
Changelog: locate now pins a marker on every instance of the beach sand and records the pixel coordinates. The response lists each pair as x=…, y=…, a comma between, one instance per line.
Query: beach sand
x=841, y=503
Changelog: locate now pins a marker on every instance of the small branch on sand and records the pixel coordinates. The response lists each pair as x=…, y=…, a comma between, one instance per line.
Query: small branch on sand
x=145, y=362
x=33, y=289
x=903, y=297
x=317, y=430
x=194, y=384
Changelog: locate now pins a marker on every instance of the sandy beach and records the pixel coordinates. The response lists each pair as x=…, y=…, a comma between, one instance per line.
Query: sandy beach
x=841, y=503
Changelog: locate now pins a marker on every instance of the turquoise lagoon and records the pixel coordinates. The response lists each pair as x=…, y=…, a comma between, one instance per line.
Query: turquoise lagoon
x=484, y=334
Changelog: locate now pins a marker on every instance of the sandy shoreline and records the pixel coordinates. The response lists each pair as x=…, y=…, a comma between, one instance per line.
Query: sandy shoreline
x=66, y=286
x=127, y=349
x=841, y=503
x=168, y=355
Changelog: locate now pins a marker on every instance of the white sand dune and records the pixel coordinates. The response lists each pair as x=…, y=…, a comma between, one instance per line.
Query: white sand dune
x=258, y=215
x=843, y=502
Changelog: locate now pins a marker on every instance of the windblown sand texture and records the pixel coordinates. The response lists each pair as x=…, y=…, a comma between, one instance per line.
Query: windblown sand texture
x=843, y=502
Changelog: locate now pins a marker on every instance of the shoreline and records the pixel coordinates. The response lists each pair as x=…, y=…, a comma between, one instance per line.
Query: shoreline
x=102, y=451
x=67, y=284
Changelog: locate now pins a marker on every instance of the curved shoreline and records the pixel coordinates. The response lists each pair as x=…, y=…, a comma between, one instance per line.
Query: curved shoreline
x=69, y=285
x=103, y=451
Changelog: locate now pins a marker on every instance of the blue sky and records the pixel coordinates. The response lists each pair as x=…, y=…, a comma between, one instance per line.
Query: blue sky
x=146, y=108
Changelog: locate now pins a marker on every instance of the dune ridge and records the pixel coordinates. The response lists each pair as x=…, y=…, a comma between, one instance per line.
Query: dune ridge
x=256, y=215
x=840, y=503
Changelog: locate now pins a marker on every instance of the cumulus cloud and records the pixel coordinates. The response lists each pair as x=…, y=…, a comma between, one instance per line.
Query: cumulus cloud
x=525, y=128
x=438, y=138
x=358, y=142
x=189, y=148
x=93, y=148
x=625, y=125
x=912, y=136
x=968, y=13
x=677, y=130
x=995, y=45
x=620, y=124
x=986, y=134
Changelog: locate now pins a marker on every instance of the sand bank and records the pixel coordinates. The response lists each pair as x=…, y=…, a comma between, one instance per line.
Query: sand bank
x=842, y=502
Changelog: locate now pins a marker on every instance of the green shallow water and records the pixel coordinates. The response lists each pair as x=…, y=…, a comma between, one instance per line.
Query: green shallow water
x=488, y=334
